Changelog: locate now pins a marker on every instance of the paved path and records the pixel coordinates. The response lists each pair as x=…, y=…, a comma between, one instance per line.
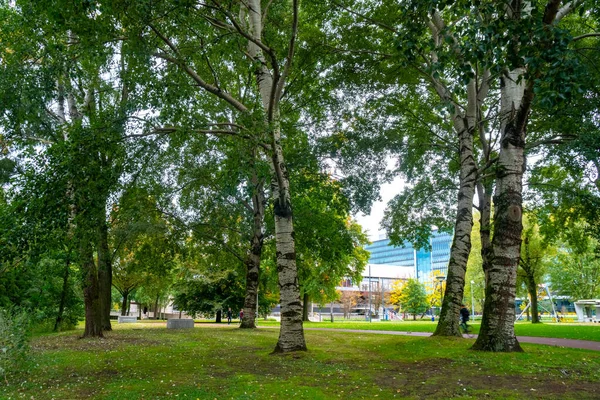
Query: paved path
x=572, y=343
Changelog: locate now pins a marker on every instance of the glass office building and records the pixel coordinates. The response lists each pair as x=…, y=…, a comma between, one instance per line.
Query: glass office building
x=426, y=263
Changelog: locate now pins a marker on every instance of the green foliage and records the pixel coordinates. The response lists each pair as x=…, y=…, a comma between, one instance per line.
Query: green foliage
x=205, y=295
x=410, y=296
x=14, y=341
x=575, y=271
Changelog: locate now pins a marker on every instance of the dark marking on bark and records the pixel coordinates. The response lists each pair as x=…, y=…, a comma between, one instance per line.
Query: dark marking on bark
x=282, y=210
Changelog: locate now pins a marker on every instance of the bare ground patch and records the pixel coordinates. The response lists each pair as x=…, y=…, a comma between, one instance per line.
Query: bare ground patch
x=444, y=378
x=76, y=342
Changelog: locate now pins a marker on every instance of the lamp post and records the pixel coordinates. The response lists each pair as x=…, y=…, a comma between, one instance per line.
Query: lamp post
x=441, y=279
x=369, y=292
x=472, y=302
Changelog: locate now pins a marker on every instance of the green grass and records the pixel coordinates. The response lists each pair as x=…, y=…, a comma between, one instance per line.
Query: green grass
x=553, y=330
x=147, y=361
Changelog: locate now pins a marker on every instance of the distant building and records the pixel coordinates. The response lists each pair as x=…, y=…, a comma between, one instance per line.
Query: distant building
x=378, y=277
x=425, y=263
x=387, y=265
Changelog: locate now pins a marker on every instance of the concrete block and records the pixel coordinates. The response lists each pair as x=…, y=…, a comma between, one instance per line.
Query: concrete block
x=176, y=323
x=126, y=319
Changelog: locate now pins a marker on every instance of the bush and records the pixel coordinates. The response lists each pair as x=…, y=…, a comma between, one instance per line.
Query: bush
x=14, y=341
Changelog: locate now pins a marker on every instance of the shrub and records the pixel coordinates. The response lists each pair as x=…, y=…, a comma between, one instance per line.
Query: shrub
x=14, y=341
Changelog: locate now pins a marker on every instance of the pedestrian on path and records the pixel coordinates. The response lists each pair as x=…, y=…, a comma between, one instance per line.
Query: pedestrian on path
x=229, y=316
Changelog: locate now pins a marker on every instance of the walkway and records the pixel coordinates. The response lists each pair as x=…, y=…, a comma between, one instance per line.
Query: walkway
x=571, y=343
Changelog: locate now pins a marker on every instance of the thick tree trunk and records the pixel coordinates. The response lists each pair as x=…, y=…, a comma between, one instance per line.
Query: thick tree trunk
x=291, y=334
x=91, y=292
x=63, y=294
x=218, y=317
x=448, y=324
x=497, y=326
x=104, y=276
x=254, y=256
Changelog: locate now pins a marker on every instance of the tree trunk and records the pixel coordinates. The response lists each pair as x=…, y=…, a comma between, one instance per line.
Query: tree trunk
x=125, y=301
x=104, y=276
x=63, y=294
x=497, y=326
x=484, y=193
x=528, y=269
x=91, y=293
x=291, y=334
x=448, y=324
x=305, y=307
x=156, y=311
x=218, y=317
x=254, y=256
x=532, y=290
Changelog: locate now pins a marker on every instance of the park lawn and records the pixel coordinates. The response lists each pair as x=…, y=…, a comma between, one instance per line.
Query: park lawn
x=548, y=329
x=147, y=361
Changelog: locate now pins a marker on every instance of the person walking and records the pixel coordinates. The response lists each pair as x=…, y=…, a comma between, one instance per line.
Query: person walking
x=229, y=316
x=241, y=315
x=464, y=318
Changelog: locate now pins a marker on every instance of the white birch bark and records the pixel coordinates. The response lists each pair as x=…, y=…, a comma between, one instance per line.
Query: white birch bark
x=497, y=327
x=465, y=123
x=448, y=324
x=291, y=335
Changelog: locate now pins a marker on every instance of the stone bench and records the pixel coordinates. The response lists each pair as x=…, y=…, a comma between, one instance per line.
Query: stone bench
x=176, y=323
x=126, y=319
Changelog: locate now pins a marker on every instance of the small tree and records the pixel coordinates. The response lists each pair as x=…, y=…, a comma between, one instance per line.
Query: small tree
x=410, y=296
x=349, y=300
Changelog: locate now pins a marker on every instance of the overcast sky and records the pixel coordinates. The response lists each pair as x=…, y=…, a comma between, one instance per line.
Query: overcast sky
x=371, y=222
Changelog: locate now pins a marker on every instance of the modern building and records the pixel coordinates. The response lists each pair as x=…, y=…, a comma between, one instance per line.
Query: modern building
x=426, y=263
x=377, y=278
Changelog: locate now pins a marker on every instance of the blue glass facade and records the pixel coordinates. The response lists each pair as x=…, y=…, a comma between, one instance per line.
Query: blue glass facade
x=424, y=262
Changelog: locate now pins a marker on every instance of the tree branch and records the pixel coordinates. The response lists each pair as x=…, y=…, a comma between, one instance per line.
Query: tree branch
x=587, y=35
x=368, y=19
x=197, y=78
x=290, y=56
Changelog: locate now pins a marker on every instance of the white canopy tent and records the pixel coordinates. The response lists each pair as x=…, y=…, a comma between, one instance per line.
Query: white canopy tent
x=583, y=309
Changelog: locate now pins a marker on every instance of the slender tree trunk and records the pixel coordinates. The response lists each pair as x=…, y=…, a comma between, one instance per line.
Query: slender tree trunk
x=125, y=302
x=156, y=307
x=526, y=266
x=254, y=256
x=484, y=193
x=63, y=294
x=532, y=290
x=91, y=292
x=448, y=324
x=497, y=326
x=104, y=276
x=305, y=307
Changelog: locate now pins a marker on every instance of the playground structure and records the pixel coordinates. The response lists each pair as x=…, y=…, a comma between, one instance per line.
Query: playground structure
x=543, y=290
x=585, y=310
